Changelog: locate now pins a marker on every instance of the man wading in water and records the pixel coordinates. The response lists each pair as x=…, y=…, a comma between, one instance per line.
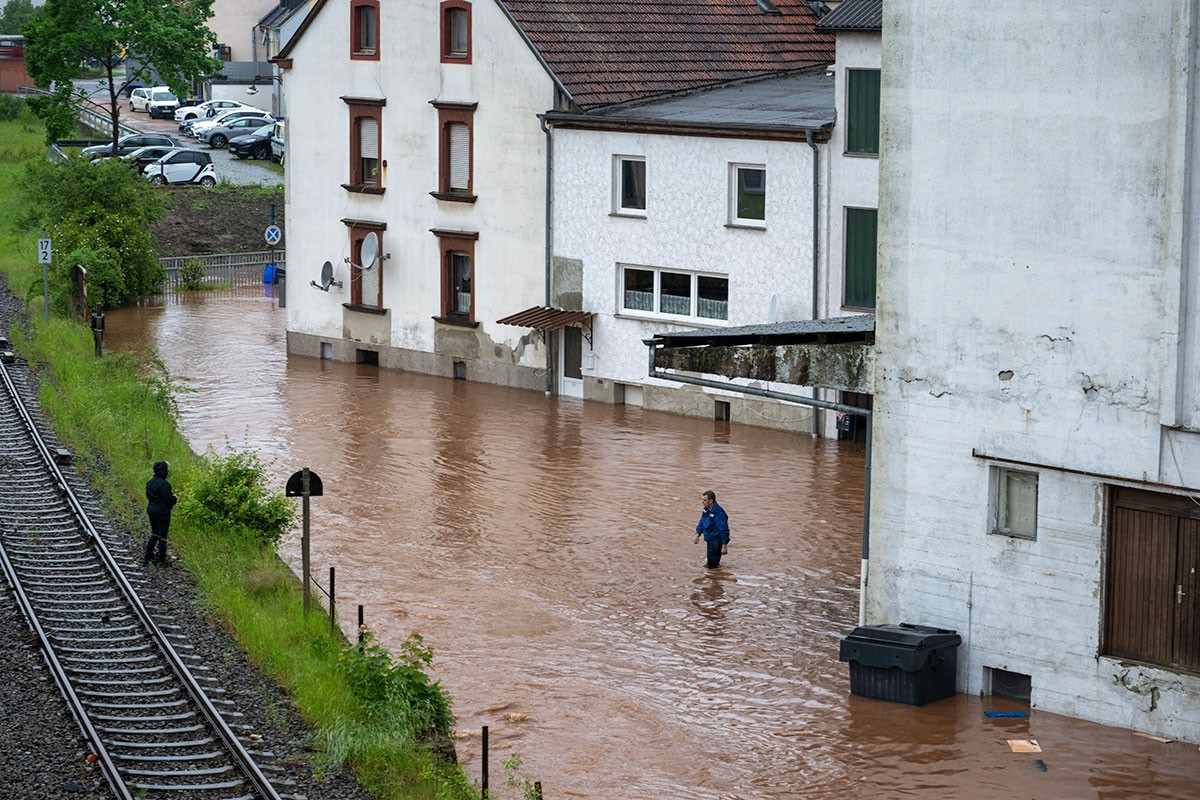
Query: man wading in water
x=714, y=527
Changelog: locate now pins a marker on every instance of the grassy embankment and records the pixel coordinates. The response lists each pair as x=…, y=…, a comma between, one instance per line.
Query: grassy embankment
x=369, y=709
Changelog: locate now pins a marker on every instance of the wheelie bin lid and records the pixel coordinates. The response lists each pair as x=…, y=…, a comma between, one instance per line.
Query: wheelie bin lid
x=907, y=635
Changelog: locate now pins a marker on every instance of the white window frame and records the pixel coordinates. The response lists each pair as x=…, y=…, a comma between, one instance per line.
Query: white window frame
x=618, y=175
x=734, y=219
x=692, y=317
x=1002, y=482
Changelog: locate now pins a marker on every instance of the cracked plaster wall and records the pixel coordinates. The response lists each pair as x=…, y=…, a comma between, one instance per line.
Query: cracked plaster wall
x=1029, y=308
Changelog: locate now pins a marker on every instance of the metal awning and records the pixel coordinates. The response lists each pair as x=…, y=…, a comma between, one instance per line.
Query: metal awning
x=546, y=318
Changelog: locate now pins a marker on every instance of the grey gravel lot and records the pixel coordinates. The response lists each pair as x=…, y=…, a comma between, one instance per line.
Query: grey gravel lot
x=230, y=168
x=42, y=754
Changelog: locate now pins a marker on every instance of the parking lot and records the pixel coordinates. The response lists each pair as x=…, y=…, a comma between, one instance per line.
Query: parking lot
x=229, y=167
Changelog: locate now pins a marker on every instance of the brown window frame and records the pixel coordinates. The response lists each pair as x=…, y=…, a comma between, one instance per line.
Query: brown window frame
x=359, y=109
x=449, y=243
x=356, y=52
x=450, y=114
x=358, y=230
x=448, y=55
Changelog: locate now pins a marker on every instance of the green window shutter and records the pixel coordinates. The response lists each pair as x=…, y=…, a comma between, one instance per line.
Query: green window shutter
x=862, y=111
x=862, y=234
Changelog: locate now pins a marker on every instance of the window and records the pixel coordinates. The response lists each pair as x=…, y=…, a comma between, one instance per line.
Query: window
x=364, y=30
x=455, y=173
x=366, y=285
x=1014, y=498
x=670, y=293
x=747, y=195
x=458, y=276
x=629, y=185
x=456, y=32
x=366, y=167
x=862, y=111
x=862, y=228
x=1150, y=610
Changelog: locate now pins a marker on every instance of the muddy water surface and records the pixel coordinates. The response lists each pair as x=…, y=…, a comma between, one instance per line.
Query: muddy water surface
x=544, y=549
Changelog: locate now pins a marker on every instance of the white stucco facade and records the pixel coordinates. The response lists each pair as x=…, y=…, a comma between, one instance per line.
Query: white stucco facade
x=853, y=179
x=510, y=88
x=685, y=229
x=1037, y=310
x=233, y=22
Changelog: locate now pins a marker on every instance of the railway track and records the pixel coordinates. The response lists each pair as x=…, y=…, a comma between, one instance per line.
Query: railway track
x=153, y=721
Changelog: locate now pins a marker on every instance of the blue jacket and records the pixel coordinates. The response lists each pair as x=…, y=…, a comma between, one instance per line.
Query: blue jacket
x=714, y=524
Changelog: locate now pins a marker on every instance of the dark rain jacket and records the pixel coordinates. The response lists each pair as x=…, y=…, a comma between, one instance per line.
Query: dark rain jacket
x=714, y=524
x=159, y=497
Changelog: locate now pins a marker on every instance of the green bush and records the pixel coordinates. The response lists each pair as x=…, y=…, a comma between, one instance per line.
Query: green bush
x=192, y=274
x=397, y=688
x=232, y=494
x=101, y=209
x=10, y=107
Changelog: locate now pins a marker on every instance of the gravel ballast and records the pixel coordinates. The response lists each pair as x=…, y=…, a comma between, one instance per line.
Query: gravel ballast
x=43, y=754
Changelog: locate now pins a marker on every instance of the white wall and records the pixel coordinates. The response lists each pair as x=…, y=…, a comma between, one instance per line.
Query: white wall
x=509, y=172
x=1031, y=248
x=233, y=22
x=854, y=179
x=687, y=199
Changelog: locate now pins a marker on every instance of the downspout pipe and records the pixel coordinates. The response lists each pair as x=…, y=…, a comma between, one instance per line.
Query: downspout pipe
x=865, y=413
x=816, y=244
x=549, y=237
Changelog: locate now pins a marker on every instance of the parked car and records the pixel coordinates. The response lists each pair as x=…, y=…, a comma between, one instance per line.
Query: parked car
x=146, y=155
x=256, y=144
x=163, y=102
x=183, y=166
x=219, y=135
x=131, y=87
x=194, y=126
x=277, y=137
x=130, y=142
x=139, y=98
x=200, y=110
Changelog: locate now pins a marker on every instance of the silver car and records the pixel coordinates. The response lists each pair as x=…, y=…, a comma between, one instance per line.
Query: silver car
x=219, y=135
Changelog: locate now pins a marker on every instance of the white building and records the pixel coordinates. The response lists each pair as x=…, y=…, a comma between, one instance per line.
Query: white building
x=422, y=123
x=1037, y=391
x=697, y=211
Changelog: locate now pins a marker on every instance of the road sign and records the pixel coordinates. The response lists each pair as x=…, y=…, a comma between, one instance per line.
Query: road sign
x=44, y=251
x=273, y=235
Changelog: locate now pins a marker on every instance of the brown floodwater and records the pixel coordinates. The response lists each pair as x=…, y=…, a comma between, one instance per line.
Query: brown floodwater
x=544, y=549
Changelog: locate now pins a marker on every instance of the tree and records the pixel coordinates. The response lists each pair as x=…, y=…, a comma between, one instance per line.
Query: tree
x=15, y=14
x=168, y=36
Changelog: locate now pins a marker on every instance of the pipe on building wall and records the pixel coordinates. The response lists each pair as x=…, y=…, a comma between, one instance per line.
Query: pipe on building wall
x=816, y=243
x=864, y=569
x=549, y=236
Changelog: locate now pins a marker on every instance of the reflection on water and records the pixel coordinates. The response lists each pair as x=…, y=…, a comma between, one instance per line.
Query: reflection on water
x=544, y=548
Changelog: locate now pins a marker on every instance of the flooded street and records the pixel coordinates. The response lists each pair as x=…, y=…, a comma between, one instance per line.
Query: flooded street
x=544, y=549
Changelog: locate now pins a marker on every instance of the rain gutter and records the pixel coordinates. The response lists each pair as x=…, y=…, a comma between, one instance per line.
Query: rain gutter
x=816, y=226
x=864, y=571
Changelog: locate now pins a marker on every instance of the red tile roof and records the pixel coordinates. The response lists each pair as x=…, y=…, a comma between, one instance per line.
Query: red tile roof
x=610, y=51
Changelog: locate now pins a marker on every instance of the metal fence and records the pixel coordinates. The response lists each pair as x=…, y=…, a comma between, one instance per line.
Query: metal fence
x=221, y=270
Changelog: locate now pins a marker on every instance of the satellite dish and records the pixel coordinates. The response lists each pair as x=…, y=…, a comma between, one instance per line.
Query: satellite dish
x=370, y=250
x=326, y=278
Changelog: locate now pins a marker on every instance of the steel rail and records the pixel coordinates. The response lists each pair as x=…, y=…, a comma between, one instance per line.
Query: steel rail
x=197, y=694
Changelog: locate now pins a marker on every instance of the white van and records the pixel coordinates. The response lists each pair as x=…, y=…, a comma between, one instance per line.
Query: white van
x=277, y=139
x=162, y=102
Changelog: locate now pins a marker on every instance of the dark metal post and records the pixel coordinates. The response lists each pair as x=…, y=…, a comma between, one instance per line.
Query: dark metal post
x=98, y=330
x=485, y=762
x=332, y=598
x=360, y=623
x=304, y=540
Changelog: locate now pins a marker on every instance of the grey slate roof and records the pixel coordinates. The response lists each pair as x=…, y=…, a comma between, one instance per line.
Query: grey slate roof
x=854, y=15
x=242, y=71
x=794, y=101
x=857, y=328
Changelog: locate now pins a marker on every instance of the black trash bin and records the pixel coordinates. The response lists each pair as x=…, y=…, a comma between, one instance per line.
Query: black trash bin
x=913, y=664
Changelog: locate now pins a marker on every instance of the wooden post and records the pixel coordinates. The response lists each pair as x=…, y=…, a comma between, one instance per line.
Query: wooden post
x=304, y=540
x=485, y=762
